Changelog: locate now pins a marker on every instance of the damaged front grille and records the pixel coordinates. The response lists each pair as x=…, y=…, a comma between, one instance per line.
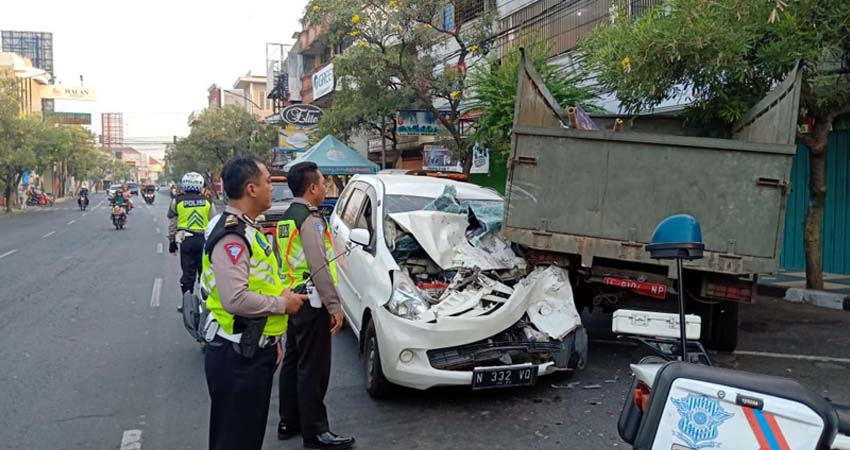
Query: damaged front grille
x=518, y=345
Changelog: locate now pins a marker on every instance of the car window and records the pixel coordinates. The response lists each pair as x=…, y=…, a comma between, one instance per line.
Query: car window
x=281, y=192
x=366, y=217
x=353, y=207
x=340, y=204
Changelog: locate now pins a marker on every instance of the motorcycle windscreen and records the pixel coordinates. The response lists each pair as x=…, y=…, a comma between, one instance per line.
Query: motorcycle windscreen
x=697, y=407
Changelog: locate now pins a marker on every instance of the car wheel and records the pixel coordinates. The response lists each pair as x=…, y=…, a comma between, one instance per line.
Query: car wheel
x=376, y=384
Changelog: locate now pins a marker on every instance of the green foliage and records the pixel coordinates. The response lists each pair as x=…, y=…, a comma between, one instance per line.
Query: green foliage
x=395, y=58
x=724, y=55
x=216, y=136
x=494, y=91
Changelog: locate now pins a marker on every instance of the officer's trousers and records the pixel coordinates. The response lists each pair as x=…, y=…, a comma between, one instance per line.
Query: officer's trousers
x=191, y=254
x=240, y=391
x=306, y=370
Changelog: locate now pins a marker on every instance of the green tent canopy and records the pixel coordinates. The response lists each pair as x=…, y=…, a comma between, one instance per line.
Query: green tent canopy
x=335, y=158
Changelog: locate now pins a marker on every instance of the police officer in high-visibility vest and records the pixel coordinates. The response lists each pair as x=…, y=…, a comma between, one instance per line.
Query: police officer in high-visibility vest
x=306, y=263
x=249, y=307
x=188, y=216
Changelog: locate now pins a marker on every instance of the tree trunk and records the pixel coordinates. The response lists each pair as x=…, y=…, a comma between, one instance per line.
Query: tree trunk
x=813, y=234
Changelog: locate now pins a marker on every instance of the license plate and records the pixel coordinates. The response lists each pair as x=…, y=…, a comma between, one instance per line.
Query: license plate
x=654, y=290
x=500, y=377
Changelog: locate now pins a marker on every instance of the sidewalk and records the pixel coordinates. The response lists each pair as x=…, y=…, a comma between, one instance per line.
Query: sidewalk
x=792, y=287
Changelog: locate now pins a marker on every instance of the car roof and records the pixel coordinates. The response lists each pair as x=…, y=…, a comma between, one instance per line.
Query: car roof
x=431, y=187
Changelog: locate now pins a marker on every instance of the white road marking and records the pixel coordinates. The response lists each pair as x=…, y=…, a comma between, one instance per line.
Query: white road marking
x=71, y=222
x=157, y=230
x=159, y=247
x=8, y=253
x=792, y=356
x=157, y=288
x=131, y=440
x=49, y=234
x=85, y=214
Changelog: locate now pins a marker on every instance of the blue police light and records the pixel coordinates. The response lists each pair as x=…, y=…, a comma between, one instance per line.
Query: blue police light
x=678, y=236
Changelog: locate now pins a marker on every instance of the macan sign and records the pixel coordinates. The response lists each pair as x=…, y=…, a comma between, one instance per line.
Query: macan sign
x=63, y=92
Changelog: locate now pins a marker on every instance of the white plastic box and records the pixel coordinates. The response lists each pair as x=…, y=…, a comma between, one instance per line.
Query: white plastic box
x=654, y=324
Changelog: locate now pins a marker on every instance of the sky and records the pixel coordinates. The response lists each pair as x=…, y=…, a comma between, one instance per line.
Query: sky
x=153, y=60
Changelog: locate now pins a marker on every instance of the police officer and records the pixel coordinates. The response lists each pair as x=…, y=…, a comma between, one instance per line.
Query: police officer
x=306, y=252
x=188, y=216
x=249, y=306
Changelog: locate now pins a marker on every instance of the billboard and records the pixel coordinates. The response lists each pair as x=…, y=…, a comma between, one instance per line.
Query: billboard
x=65, y=92
x=299, y=122
x=35, y=45
x=68, y=118
x=440, y=159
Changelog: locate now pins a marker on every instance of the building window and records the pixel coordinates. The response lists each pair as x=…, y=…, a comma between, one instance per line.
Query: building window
x=261, y=100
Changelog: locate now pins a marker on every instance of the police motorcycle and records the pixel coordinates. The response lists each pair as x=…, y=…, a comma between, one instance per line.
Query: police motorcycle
x=678, y=401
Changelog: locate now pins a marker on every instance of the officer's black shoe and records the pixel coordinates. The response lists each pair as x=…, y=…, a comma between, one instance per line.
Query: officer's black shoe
x=285, y=431
x=328, y=440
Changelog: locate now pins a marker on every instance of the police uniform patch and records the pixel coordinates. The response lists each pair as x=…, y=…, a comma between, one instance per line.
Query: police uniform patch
x=234, y=251
x=231, y=221
x=265, y=246
x=283, y=232
x=320, y=227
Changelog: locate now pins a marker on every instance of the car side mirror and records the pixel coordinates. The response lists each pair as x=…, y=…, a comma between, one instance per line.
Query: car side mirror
x=360, y=236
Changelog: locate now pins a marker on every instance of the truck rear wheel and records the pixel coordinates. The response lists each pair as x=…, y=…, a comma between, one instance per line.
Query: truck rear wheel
x=724, y=326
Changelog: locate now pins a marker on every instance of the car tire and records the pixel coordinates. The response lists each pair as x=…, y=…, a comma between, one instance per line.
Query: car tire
x=376, y=384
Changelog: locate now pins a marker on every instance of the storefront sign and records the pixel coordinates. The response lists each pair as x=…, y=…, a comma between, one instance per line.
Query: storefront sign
x=62, y=92
x=416, y=123
x=440, y=159
x=68, y=118
x=304, y=116
x=323, y=82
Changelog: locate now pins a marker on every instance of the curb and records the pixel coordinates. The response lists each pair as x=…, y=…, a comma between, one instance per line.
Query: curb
x=818, y=298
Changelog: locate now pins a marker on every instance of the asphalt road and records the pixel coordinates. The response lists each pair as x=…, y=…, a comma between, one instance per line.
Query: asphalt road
x=93, y=354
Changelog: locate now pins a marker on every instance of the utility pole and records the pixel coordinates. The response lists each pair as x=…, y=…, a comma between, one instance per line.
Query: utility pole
x=383, y=142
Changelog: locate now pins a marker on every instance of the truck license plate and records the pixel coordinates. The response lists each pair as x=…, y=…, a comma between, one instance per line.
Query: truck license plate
x=500, y=377
x=655, y=290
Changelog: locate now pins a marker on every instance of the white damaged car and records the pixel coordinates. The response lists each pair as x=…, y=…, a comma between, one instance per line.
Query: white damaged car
x=437, y=298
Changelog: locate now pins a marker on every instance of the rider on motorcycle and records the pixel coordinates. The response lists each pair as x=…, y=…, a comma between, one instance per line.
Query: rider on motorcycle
x=83, y=197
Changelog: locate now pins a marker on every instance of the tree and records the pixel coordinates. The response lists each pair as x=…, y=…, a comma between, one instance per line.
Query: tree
x=423, y=47
x=216, y=136
x=494, y=92
x=726, y=56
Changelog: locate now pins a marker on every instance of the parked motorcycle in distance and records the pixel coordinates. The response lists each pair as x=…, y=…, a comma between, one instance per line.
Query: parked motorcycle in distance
x=37, y=198
x=119, y=217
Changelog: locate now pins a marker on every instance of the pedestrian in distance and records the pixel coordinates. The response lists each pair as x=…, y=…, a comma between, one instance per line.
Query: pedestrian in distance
x=307, y=264
x=188, y=216
x=250, y=308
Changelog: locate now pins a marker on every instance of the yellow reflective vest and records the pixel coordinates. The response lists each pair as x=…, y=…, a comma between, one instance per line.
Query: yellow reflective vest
x=263, y=277
x=293, y=261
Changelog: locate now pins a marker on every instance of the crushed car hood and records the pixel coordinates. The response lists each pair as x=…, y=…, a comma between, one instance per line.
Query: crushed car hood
x=443, y=237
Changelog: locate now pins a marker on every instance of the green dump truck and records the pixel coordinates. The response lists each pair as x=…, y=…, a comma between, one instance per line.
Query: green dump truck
x=590, y=200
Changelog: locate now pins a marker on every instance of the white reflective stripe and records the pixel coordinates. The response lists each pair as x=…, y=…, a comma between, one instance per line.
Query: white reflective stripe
x=230, y=337
x=261, y=265
x=265, y=276
x=296, y=259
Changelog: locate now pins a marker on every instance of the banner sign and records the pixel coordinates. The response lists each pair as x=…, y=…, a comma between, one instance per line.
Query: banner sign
x=480, y=159
x=417, y=123
x=62, y=92
x=68, y=118
x=299, y=122
x=439, y=158
x=299, y=115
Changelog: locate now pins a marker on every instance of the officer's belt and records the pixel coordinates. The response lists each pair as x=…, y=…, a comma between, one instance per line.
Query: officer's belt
x=265, y=341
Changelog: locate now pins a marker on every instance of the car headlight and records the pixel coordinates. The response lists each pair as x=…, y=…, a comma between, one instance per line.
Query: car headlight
x=407, y=301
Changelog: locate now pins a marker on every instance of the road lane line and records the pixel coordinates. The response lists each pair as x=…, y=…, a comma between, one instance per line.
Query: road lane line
x=85, y=214
x=49, y=234
x=71, y=222
x=157, y=288
x=159, y=247
x=792, y=356
x=131, y=440
x=8, y=253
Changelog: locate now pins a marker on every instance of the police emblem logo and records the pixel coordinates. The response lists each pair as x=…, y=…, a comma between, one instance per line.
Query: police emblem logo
x=700, y=418
x=320, y=227
x=234, y=251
